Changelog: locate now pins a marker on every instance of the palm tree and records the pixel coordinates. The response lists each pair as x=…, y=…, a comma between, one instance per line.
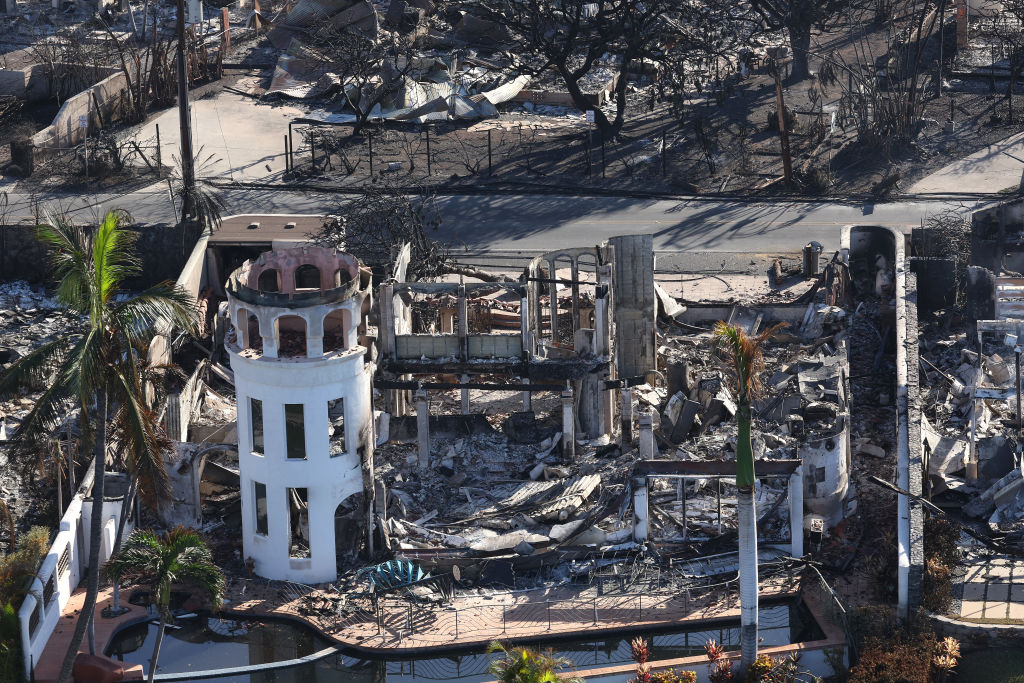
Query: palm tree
x=178, y=557
x=745, y=354
x=98, y=372
x=523, y=665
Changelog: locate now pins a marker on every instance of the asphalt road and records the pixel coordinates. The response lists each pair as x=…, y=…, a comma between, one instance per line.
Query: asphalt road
x=541, y=222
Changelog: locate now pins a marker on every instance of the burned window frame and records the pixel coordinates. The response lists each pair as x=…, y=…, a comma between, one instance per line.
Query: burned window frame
x=291, y=440
x=261, y=529
x=257, y=436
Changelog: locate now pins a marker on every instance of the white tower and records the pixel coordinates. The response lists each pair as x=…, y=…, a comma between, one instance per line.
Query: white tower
x=305, y=428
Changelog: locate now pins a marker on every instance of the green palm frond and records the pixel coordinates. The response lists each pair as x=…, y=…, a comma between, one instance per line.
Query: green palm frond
x=71, y=258
x=140, y=441
x=114, y=258
x=179, y=556
x=143, y=316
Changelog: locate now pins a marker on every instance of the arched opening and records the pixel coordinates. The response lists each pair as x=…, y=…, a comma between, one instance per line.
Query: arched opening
x=336, y=326
x=249, y=330
x=307, y=276
x=220, y=498
x=586, y=268
x=268, y=281
x=561, y=322
x=291, y=336
x=348, y=531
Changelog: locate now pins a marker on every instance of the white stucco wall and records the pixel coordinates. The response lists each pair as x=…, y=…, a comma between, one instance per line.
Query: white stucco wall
x=311, y=382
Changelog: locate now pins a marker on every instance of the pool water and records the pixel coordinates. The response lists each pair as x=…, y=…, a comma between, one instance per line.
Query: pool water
x=204, y=643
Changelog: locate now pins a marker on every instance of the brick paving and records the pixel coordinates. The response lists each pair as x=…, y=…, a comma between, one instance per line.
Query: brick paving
x=474, y=619
x=48, y=666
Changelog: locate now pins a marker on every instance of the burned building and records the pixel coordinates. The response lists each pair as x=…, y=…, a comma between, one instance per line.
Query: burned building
x=298, y=351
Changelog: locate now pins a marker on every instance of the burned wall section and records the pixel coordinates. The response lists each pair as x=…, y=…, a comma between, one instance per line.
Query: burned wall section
x=940, y=274
x=996, y=237
x=159, y=247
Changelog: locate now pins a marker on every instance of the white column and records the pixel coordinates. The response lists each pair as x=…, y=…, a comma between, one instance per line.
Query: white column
x=646, y=423
x=568, y=424
x=640, y=509
x=423, y=427
x=796, y=512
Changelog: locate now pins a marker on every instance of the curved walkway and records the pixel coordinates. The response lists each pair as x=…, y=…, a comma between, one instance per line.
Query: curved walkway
x=472, y=621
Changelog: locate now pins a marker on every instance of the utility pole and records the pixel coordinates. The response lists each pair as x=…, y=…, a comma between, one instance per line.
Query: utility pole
x=942, y=35
x=787, y=162
x=188, y=173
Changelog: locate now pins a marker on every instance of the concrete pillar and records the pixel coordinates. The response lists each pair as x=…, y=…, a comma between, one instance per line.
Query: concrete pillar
x=423, y=427
x=640, y=515
x=524, y=326
x=269, y=344
x=553, y=300
x=568, y=424
x=241, y=321
x=463, y=324
x=796, y=512
x=315, y=334
x=646, y=428
x=465, y=395
x=626, y=417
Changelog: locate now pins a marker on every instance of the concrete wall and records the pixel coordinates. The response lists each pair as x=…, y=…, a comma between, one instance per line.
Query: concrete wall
x=973, y=635
x=415, y=346
x=33, y=83
x=102, y=103
x=858, y=240
x=827, y=478
x=939, y=274
x=915, y=455
x=328, y=480
x=159, y=248
x=495, y=345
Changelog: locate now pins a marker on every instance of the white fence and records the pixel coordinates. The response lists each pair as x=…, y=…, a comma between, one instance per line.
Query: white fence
x=62, y=569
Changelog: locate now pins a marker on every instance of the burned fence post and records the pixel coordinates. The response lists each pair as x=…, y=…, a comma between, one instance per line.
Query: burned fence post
x=423, y=428
x=465, y=395
x=369, y=142
x=640, y=509
x=568, y=423
x=291, y=148
x=429, y=173
x=646, y=428
x=286, y=169
x=489, y=169
x=159, y=153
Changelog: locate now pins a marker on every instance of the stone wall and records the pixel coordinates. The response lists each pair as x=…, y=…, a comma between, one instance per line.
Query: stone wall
x=159, y=248
x=973, y=635
x=916, y=478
